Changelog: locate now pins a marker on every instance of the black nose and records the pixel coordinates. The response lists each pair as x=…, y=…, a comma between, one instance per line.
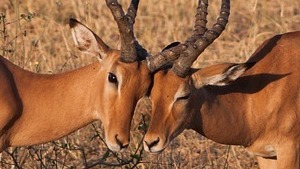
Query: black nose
x=152, y=144
x=122, y=146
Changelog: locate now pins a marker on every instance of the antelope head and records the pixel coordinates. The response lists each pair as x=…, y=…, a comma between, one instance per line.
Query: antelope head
x=126, y=72
x=174, y=89
x=125, y=75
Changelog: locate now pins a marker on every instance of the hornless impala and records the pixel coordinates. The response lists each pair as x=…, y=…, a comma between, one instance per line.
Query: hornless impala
x=37, y=108
x=255, y=104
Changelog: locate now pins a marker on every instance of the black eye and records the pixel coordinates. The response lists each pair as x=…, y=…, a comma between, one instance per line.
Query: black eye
x=112, y=78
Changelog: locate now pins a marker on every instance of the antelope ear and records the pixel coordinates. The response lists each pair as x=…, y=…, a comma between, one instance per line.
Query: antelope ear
x=86, y=40
x=219, y=75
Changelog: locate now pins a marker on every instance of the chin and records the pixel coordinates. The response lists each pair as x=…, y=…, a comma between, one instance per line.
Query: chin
x=114, y=148
x=157, y=149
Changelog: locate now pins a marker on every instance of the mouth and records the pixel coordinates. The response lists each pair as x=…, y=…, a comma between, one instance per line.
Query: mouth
x=156, y=148
x=156, y=151
x=114, y=148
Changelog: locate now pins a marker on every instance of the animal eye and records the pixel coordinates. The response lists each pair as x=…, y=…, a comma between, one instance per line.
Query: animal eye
x=184, y=97
x=112, y=78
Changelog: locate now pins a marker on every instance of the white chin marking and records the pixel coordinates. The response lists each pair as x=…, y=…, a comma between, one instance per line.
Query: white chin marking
x=115, y=147
x=156, y=149
x=146, y=148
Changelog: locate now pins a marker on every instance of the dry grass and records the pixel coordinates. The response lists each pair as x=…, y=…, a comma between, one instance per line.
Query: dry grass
x=48, y=48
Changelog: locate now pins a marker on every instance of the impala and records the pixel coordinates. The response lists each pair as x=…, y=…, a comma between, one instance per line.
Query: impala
x=255, y=104
x=37, y=108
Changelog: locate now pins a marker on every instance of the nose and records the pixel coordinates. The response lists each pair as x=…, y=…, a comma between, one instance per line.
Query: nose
x=123, y=143
x=151, y=143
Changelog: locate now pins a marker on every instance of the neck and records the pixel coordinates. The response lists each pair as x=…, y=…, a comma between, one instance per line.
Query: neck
x=218, y=118
x=53, y=105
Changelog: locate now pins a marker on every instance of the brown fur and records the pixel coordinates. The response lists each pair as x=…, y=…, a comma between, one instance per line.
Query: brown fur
x=37, y=108
x=260, y=110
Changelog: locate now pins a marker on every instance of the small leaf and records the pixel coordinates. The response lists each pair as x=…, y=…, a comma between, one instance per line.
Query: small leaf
x=105, y=156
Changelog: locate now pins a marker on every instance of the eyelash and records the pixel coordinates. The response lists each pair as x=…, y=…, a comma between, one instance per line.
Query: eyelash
x=184, y=97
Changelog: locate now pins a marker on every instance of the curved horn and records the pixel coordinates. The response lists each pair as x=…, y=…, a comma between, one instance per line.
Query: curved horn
x=166, y=56
x=131, y=15
x=171, y=54
x=182, y=65
x=128, y=51
x=200, y=23
x=131, y=12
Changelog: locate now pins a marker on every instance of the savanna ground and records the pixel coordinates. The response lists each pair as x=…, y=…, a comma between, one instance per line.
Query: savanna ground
x=35, y=35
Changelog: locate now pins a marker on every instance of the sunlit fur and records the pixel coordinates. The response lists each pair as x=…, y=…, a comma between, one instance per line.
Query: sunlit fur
x=260, y=110
x=37, y=108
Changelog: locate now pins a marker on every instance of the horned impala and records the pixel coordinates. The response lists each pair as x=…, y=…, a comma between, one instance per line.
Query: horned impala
x=255, y=104
x=37, y=108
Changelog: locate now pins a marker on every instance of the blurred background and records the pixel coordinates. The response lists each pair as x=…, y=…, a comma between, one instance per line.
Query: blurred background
x=35, y=35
